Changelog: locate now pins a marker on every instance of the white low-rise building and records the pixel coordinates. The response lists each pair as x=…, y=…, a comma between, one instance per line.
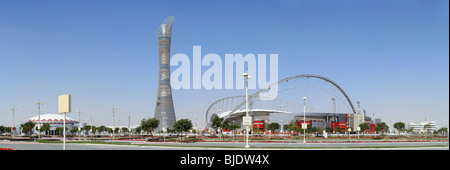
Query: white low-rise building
x=420, y=126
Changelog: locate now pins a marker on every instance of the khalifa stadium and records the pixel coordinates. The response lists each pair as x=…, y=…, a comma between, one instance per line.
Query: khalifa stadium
x=327, y=105
x=55, y=121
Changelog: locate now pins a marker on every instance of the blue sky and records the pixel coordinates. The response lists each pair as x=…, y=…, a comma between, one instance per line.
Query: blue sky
x=393, y=56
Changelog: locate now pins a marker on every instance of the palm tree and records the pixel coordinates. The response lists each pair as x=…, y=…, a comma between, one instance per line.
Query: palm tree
x=100, y=129
x=74, y=130
x=46, y=127
x=59, y=130
x=27, y=127
x=217, y=123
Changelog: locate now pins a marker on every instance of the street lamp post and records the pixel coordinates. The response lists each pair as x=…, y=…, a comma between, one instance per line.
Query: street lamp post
x=246, y=107
x=282, y=128
x=304, y=119
x=13, y=126
x=358, y=129
x=92, y=129
x=129, y=127
x=349, y=130
x=196, y=126
x=114, y=127
x=39, y=116
x=164, y=125
x=390, y=123
x=79, y=124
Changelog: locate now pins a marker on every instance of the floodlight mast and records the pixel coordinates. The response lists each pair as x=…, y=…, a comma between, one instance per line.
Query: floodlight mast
x=334, y=106
x=359, y=110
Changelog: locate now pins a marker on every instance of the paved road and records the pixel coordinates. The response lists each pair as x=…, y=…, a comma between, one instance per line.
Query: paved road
x=212, y=146
x=279, y=146
x=76, y=146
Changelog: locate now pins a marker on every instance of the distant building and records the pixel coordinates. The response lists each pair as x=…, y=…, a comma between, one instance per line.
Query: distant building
x=419, y=126
x=354, y=120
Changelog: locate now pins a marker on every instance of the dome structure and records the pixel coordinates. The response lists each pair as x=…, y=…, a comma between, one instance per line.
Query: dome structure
x=55, y=121
x=52, y=119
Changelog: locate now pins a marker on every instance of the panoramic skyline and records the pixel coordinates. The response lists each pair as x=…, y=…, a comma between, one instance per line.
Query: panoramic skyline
x=392, y=56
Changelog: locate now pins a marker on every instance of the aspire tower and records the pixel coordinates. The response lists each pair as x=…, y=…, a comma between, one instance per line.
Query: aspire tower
x=164, y=110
